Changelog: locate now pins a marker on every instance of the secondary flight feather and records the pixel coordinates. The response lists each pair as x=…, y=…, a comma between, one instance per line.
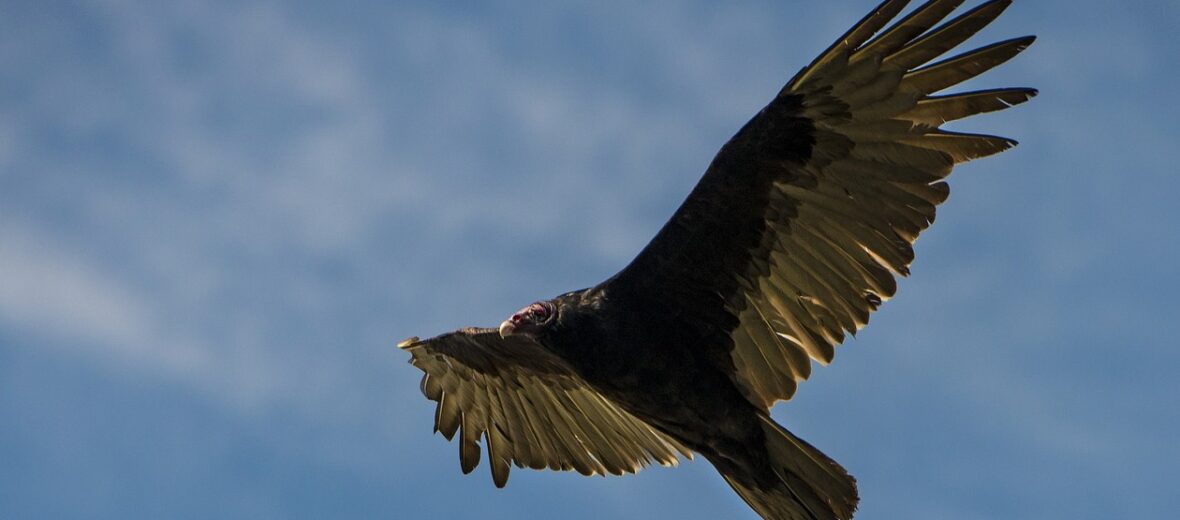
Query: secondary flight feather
x=790, y=240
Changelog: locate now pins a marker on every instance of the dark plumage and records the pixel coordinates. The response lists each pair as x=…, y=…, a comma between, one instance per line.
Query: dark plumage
x=790, y=240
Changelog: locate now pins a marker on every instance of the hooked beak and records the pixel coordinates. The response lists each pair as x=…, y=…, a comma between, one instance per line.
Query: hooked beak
x=507, y=329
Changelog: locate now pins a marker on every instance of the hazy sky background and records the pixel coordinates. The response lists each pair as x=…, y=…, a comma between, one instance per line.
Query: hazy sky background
x=217, y=219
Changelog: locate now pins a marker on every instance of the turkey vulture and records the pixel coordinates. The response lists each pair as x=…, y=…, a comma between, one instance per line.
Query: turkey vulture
x=790, y=240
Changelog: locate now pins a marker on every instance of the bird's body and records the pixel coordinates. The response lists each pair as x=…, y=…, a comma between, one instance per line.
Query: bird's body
x=670, y=384
x=790, y=240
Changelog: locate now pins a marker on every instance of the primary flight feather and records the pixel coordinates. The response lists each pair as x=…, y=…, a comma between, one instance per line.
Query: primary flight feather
x=789, y=241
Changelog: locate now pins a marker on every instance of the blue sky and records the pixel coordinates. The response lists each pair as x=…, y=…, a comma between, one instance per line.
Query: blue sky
x=217, y=218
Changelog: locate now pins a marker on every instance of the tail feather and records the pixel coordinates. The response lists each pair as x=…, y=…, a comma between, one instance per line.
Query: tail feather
x=810, y=486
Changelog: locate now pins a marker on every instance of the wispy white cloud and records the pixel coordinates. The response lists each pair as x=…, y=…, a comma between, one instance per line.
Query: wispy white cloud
x=332, y=180
x=54, y=290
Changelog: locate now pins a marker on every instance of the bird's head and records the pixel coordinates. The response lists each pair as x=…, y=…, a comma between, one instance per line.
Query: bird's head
x=531, y=321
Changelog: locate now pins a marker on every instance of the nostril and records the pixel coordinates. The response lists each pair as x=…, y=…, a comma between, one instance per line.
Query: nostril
x=516, y=318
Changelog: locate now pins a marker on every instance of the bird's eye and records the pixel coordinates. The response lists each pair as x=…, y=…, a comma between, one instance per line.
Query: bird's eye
x=541, y=311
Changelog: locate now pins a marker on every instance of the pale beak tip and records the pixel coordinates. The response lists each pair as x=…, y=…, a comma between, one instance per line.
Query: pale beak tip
x=507, y=329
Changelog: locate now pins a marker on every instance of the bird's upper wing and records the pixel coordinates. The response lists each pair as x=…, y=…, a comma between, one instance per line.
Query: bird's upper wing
x=532, y=409
x=795, y=232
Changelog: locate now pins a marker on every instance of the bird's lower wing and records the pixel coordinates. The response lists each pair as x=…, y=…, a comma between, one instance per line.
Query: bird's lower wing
x=532, y=410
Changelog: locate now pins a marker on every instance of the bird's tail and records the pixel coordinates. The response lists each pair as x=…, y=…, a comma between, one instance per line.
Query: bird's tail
x=810, y=486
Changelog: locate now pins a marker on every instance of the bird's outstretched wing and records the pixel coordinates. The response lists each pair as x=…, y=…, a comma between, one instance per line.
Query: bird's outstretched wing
x=795, y=232
x=532, y=409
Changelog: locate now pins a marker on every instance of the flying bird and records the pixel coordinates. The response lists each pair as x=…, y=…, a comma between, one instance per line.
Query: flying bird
x=793, y=236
